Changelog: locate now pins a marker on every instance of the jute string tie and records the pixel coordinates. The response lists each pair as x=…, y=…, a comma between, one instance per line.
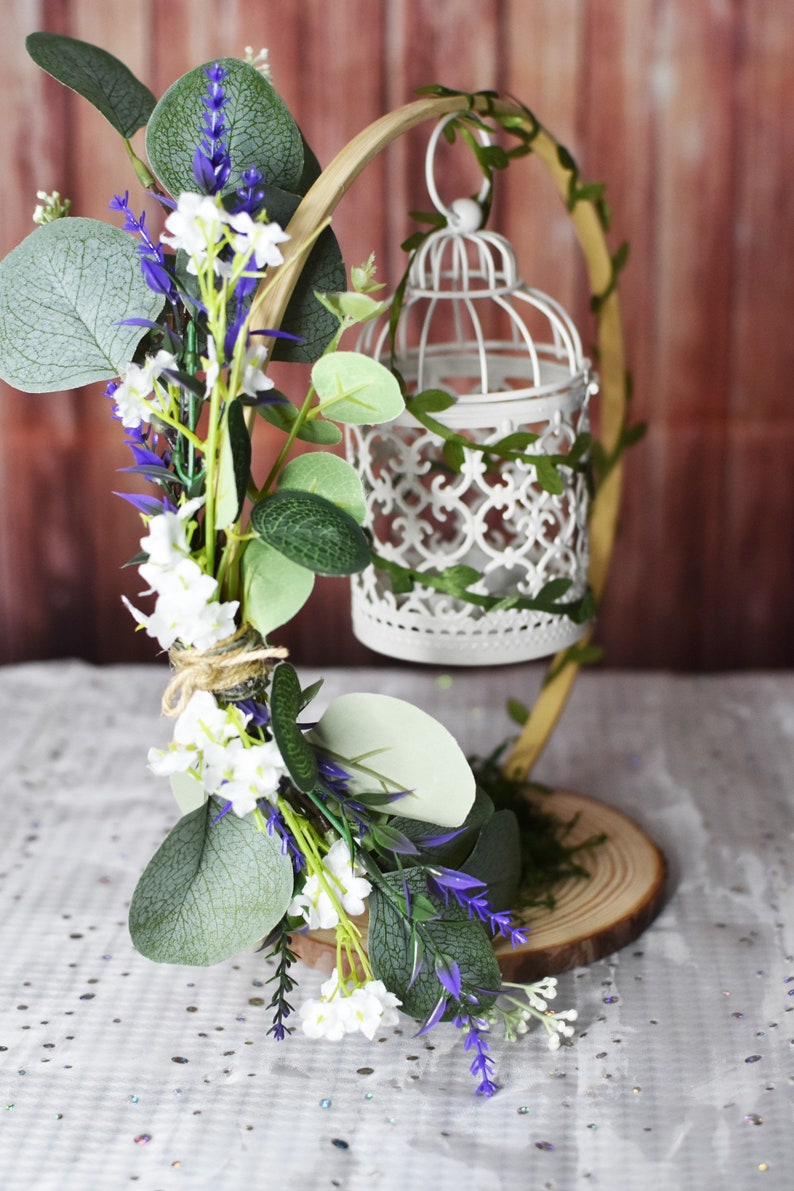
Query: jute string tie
x=226, y=666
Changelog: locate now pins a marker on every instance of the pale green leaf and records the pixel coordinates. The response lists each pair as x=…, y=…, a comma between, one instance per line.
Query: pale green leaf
x=329, y=476
x=274, y=588
x=211, y=890
x=260, y=132
x=357, y=389
x=96, y=75
x=63, y=291
x=188, y=790
x=388, y=743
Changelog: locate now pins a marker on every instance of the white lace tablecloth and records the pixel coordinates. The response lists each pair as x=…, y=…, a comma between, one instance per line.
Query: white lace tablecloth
x=118, y=1073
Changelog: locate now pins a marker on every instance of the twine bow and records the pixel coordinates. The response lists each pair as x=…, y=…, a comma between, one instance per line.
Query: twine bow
x=230, y=664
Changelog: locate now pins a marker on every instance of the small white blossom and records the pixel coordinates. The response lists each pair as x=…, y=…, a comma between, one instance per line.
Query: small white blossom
x=322, y=1019
x=345, y=1009
x=260, y=239
x=186, y=609
x=254, y=379
x=195, y=225
x=252, y=773
x=50, y=207
x=258, y=61
x=137, y=385
x=349, y=888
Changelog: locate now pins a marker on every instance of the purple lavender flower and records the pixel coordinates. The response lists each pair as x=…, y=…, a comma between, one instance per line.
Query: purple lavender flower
x=445, y=882
x=151, y=256
x=211, y=162
x=482, y=1065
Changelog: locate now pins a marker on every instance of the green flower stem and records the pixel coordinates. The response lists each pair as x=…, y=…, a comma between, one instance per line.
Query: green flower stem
x=302, y=417
x=142, y=171
x=348, y=936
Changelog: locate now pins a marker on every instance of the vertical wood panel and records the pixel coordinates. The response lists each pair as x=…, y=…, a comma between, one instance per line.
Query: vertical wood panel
x=756, y=572
x=682, y=108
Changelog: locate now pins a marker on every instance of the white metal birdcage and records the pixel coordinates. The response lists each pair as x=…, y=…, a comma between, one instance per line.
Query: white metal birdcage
x=512, y=359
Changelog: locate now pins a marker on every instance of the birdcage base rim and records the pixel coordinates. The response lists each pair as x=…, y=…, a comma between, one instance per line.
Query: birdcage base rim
x=436, y=648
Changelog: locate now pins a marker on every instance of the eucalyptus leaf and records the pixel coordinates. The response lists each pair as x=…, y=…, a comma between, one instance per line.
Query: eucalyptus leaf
x=274, y=588
x=312, y=532
x=387, y=743
x=329, y=476
x=96, y=75
x=355, y=388
x=453, y=933
x=317, y=431
x=453, y=853
x=235, y=467
x=286, y=700
x=260, y=132
x=305, y=316
x=63, y=291
x=188, y=790
x=496, y=859
x=186, y=910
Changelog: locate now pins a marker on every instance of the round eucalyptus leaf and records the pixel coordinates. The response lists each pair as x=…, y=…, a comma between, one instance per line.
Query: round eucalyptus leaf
x=96, y=75
x=357, y=389
x=399, y=747
x=260, y=132
x=63, y=291
x=186, y=910
x=274, y=588
x=329, y=476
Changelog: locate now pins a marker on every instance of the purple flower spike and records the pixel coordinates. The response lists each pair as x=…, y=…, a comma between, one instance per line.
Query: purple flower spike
x=448, y=974
x=211, y=162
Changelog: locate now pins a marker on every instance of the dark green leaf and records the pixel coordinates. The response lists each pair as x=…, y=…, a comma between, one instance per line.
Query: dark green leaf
x=316, y=431
x=496, y=859
x=186, y=910
x=454, y=852
x=97, y=76
x=518, y=711
x=519, y=441
x=260, y=134
x=285, y=705
x=312, y=532
x=554, y=590
x=454, y=455
x=235, y=467
x=548, y=476
x=430, y=401
x=453, y=933
x=310, y=692
x=323, y=272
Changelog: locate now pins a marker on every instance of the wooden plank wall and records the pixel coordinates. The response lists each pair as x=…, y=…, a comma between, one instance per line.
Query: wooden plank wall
x=683, y=107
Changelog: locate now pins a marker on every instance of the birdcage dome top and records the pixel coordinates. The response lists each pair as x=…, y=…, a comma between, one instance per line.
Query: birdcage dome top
x=469, y=324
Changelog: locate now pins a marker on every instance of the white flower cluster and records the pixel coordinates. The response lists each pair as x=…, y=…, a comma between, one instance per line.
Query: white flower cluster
x=207, y=742
x=199, y=222
x=137, y=385
x=538, y=996
x=345, y=1009
x=187, y=609
x=350, y=889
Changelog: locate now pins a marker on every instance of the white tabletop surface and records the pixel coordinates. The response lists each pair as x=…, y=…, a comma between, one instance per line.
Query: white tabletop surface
x=116, y=1072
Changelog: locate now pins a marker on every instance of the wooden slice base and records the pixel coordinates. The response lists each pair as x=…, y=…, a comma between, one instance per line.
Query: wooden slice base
x=592, y=917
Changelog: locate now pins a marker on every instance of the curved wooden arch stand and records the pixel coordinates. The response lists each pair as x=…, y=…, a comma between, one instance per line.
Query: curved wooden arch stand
x=625, y=892
x=316, y=208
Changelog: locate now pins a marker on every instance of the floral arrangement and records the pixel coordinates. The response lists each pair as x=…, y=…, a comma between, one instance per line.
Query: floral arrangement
x=290, y=823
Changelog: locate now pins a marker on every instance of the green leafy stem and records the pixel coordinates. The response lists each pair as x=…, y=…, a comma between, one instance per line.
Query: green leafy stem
x=457, y=580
